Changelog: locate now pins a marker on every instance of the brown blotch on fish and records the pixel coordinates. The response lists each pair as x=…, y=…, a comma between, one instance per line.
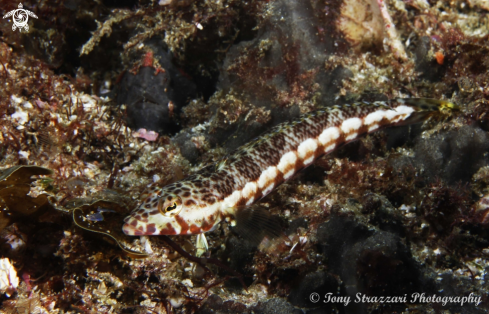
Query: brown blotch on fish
x=319, y=151
x=194, y=229
x=279, y=177
x=151, y=228
x=258, y=195
x=169, y=230
x=363, y=129
x=190, y=202
x=206, y=226
x=183, y=224
x=242, y=202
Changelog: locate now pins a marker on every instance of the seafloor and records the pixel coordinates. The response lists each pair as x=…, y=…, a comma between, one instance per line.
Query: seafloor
x=98, y=99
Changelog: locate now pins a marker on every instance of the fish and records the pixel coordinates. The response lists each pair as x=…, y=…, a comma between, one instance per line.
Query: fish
x=98, y=216
x=222, y=191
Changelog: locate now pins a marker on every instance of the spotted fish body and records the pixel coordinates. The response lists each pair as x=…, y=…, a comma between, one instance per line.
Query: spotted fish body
x=198, y=203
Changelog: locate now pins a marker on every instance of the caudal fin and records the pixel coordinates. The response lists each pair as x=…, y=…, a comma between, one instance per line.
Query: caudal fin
x=428, y=104
x=424, y=108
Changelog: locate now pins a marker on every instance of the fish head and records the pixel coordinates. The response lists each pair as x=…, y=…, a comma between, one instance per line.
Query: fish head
x=168, y=211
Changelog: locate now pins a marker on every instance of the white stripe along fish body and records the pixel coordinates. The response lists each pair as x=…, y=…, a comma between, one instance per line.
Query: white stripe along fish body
x=198, y=203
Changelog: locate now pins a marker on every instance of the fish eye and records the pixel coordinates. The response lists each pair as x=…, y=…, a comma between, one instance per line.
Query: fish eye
x=170, y=205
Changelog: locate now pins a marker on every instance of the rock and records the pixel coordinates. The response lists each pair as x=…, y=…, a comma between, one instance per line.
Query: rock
x=154, y=95
x=214, y=305
x=425, y=62
x=445, y=155
x=319, y=282
x=368, y=262
x=276, y=306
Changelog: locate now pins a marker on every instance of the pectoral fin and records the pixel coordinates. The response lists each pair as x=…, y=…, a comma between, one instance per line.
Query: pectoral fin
x=256, y=223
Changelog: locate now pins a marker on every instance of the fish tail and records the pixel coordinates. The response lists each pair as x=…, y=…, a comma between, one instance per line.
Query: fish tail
x=428, y=104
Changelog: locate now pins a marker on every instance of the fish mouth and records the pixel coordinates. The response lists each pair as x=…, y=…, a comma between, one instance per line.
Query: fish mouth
x=134, y=227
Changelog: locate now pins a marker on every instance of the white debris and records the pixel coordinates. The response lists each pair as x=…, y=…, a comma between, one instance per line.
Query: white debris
x=8, y=277
x=101, y=289
x=188, y=283
x=20, y=116
x=176, y=302
x=24, y=154
x=147, y=244
x=201, y=127
x=407, y=208
x=16, y=100
x=150, y=305
x=156, y=178
x=27, y=105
